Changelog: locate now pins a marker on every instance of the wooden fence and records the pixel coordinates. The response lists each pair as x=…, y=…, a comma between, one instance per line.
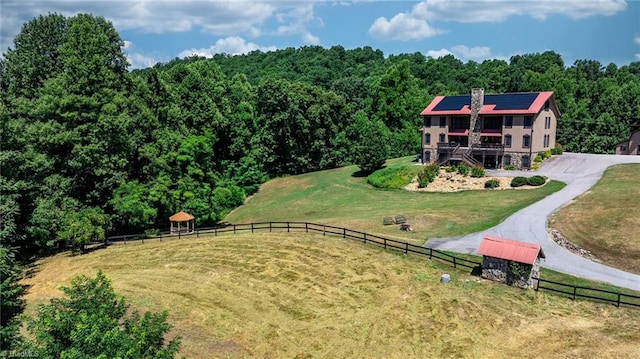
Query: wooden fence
x=575, y=291
x=572, y=291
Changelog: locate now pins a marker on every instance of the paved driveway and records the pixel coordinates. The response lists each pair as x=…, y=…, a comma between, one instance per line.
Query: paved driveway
x=580, y=172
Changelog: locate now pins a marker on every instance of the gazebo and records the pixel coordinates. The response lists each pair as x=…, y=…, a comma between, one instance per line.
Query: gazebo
x=182, y=223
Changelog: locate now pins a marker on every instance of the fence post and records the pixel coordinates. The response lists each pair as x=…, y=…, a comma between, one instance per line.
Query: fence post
x=251, y=227
x=234, y=228
x=430, y=253
x=324, y=230
x=197, y=233
x=454, y=262
x=385, y=243
x=344, y=233
x=618, y=304
x=160, y=236
x=270, y=226
x=406, y=247
x=288, y=228
x=179, y=234
x=306, y=227
x=574, y=292
x=365, y=238
x=215, y=231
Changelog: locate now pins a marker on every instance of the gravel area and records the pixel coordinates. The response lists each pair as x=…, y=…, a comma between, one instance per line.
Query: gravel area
x=453, y=182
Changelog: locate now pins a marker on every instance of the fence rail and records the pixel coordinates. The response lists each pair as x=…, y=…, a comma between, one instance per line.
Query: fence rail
x=576, y=291
x=573, y=291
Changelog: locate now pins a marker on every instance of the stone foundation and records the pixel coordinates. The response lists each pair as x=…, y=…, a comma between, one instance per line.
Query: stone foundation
x=509, y=272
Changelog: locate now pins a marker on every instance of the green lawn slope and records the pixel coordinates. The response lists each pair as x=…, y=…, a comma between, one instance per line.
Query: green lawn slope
x=340, y=197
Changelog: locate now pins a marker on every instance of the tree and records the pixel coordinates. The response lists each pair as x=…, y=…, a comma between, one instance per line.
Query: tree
x=371, y=149
x=91, y=321
x=11, y=303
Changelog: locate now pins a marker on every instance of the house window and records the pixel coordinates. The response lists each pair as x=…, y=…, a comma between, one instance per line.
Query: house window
x=427, y=157
x=528, y=120
x=507, y=140
x=526, y=141
x=427, y=138
x=508, y=121
x=507, y=160
x=442, y=138
x=547, y=122
x=525, y=162
x=443, y=121
x=427, y=121
x=546, y=141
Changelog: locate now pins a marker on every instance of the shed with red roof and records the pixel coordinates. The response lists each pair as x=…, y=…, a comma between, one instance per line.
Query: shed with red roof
x=512, y=262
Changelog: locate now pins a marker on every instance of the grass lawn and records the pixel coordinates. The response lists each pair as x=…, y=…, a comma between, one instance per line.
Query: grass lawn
x=337, y=197
x=273, y=295
x=605, y=219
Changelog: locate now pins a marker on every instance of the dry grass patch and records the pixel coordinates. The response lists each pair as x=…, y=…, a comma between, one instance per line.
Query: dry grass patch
x=605, y=219
x=277, y=295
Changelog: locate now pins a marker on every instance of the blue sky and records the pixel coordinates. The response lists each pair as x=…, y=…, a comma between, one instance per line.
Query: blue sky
x=160, y=30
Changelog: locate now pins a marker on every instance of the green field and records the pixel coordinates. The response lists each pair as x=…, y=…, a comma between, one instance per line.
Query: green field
x=296, y=295
x=337, y=197
x=605, y=219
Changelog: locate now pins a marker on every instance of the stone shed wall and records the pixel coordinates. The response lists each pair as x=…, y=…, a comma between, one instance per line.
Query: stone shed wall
x=509, y=272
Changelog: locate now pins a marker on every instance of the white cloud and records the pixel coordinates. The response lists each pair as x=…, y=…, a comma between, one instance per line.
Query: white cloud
x=465, y=53
x=222, y=18
x=438, y=53
x=126, y=44
x=308, y=38
x=231, y=45
x=403, y=26
x=636, y=39
x=637, y=56
x=500, y=10
x=473, y=53
x=140, y=61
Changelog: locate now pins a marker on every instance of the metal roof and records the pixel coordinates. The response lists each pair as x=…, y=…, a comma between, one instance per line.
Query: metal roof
x=181, y=217
x=494, y=104
x=510, y=250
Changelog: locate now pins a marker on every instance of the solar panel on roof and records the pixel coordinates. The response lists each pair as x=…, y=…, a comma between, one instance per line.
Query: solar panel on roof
x=453, y=103
x=511, y=101
x=508, y=101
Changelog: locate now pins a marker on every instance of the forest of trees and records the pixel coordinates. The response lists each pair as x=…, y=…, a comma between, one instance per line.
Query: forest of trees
x=90, y=148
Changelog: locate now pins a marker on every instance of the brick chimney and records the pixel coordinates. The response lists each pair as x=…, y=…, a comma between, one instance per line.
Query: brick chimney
x=477, y=100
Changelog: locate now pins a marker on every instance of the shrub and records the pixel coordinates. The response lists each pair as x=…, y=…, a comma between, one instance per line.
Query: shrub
x=427, y=175
x=492, y=183
x=547, y=154
x=463, y=169
x=451, y=168
x=557, y=150
x=518, y=181
x=392, y=177
x=536, y=181
x=535, y=165
x=509, y=167
x=477, y=172
x=538, y=158
x=423, y=179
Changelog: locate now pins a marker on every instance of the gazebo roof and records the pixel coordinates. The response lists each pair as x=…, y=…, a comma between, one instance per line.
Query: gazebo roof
x=181, y=217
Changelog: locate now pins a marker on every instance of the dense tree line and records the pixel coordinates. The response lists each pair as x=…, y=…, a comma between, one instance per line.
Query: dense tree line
x=90, y=148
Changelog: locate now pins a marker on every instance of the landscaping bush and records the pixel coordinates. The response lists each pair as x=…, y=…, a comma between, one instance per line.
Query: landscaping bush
x=451, y=168
x=392, y=177
x=538, y=158
x=463, y=169
x=509, y=167
x=557, y=150
x=519, y=181
x=535, y=165
x=547, y=154
x=536, y=181
x=477, y=172
x=492, y=183
x=427, y=175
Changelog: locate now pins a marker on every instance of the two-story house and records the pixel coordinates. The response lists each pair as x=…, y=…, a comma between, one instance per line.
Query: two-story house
x=632, y=145
x=492, y=130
